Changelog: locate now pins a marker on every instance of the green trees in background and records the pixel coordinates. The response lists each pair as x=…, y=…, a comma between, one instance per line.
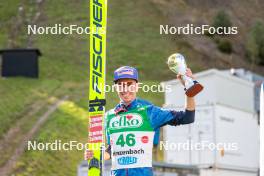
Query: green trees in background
x=225, y=46
x=255, y=43
x=222, y=19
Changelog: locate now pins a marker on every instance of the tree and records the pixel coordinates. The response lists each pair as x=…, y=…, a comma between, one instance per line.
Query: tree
x=255, y=43
x=222, y=19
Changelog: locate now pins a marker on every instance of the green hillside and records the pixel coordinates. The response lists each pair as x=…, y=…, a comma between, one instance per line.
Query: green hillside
x=64, y=71
x=132, y=39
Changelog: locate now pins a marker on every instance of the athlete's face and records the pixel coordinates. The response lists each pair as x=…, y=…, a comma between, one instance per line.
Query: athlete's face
x=127, y=90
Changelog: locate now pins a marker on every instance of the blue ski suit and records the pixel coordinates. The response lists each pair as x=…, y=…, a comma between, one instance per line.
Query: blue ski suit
x=158, y=117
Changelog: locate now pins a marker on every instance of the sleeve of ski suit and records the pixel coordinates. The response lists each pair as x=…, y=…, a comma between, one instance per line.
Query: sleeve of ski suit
x=107, y=136
x=159, y=117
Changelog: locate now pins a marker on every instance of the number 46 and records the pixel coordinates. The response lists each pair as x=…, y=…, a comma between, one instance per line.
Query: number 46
x=130, y=140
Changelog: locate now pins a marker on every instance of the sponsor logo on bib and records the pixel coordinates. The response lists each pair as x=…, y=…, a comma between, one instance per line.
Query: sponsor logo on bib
x=144, y=139
x=132, y=120
x=127, y=160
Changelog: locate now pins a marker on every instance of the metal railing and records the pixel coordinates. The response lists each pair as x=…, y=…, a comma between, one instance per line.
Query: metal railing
x=160, y=169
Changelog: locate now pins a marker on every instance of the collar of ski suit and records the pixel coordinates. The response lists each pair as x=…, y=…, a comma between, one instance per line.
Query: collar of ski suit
x=121, y=107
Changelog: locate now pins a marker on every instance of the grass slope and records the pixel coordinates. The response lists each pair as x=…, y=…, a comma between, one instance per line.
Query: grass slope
x=133, y=39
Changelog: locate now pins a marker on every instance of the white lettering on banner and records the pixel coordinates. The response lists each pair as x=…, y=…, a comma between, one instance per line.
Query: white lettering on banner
x=95, y=133
x=132, y=120
x=95, y=125
x=96, y=119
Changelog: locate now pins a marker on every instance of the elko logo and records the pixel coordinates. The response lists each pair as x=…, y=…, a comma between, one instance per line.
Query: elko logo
x=127, y=160
x=132, y=120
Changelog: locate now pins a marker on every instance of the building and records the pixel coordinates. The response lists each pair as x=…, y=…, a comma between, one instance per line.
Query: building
x=20, y=62
x=252, y=77
x=226, y=126
x=262, y=130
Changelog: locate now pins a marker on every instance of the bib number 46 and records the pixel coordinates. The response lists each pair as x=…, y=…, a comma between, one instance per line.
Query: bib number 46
x=129, y=140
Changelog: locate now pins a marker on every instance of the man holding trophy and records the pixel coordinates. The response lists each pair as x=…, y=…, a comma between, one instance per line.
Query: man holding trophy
x=131, y=125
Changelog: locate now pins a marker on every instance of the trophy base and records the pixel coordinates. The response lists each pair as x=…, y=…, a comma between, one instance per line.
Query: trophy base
x=194, y=90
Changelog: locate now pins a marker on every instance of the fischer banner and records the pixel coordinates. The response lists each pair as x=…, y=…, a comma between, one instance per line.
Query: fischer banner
x=98, y=21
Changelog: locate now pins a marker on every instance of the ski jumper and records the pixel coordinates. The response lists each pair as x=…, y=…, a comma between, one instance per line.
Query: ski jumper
x=130, y=133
